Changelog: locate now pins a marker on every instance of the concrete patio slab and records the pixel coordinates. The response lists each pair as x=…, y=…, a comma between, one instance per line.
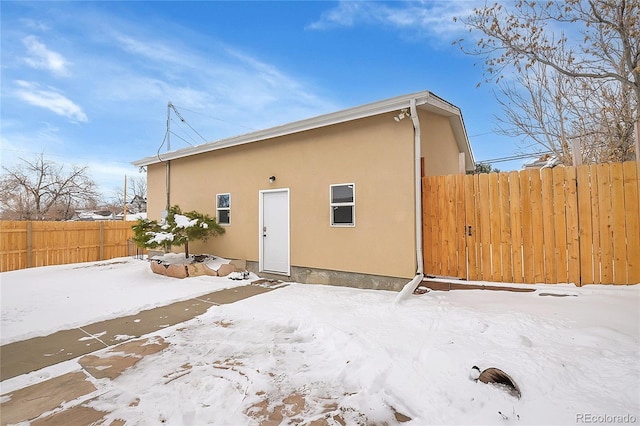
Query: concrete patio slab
x=117, y=359
x=78, y=415
x=30, y=402
x=232, y=295
x=117, y=330
x=30, y=355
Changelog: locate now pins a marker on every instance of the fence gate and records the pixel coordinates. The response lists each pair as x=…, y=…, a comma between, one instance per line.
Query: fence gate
x=568, y=224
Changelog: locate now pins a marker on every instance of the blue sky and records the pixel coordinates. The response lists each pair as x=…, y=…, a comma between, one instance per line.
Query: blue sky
x=88, y=83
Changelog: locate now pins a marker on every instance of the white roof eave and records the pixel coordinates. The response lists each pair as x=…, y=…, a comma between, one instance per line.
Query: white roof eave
x=425, y=98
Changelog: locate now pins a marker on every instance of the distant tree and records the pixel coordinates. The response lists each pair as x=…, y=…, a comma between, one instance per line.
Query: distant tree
x=576, y=72
x=177, y=229
x=483, y=168
x=40, y=189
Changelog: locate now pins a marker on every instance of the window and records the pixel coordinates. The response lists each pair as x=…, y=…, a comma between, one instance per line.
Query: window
x=223, y=208
x=343, y=204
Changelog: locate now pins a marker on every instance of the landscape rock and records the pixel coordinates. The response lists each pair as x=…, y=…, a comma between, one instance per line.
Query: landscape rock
x=159, y=268
x=226, y=269
x=199, y=269
x=177, y=271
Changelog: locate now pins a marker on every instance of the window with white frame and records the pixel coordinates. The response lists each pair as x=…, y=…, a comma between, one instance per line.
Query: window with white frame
x=343, y=204
x=223, y=208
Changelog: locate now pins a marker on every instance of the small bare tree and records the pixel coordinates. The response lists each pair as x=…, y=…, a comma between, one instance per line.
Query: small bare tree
x=40, y=189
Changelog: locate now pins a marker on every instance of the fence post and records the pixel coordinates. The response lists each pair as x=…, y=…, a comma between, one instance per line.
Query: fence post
x=29, y=245
x=101, y=240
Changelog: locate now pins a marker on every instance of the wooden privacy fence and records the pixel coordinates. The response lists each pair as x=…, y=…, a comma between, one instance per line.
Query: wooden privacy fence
x=25, y=244
x=568, y=224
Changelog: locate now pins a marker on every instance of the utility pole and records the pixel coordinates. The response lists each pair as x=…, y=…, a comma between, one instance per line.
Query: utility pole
x=124, y=215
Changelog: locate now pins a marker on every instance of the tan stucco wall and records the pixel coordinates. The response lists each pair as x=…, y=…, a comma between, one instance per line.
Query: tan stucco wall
x=375, y=153
x=439, y=147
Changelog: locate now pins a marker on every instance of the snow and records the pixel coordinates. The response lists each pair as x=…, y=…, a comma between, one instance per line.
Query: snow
x=160, y=237
x=135, y=216
x=40, y=301
x=184, y=222
x=347, y=352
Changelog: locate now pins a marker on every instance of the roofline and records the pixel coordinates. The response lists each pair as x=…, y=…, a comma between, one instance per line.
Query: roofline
x=424, y=98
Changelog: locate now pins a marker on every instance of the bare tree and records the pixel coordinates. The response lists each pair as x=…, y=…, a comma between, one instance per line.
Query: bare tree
x=556, y=112
x=40, y=189
x=577, y=72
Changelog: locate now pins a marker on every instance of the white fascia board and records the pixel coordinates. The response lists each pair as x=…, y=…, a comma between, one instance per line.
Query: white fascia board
x=381, y=107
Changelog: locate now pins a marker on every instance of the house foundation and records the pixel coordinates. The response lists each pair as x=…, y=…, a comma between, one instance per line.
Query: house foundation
x=306, y=275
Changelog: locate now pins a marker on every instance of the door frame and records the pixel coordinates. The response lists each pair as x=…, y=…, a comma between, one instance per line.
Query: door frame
x=261, y=194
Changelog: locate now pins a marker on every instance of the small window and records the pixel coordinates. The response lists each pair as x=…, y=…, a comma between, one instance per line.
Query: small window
x=223, y=208
x=343, y=204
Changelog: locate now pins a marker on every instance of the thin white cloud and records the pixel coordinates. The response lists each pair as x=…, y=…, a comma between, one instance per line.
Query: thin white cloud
x=49, y=99
x=423, y=18
x=155, y=51
x=33, y=24
x=41, y=57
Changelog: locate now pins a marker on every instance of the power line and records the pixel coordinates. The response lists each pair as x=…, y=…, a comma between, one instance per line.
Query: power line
x=514, y=157
x=216, y=118
x=180, y=137
x=185, y=121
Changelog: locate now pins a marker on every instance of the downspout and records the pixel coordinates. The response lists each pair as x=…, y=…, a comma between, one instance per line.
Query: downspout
x=418, y=185
x=410, y=287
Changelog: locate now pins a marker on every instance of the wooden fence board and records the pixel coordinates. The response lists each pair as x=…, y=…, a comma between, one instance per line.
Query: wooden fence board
x=485, y=238
x=632, y=220
x=471, y=230
x=548, y=236
x=515, y=215
x=443, y=266
x=536, y=222
x=605, y=224
x=619, y=235
x=450, y=230
x=494, y=224
x=584, y=218
x=573, y=238
x=461, y=266
x=560, y=225
x=427, y=237
x=505, y=228
x=527, y=225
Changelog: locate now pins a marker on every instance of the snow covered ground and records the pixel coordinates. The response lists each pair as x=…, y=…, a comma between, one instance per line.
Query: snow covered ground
x=312, y=352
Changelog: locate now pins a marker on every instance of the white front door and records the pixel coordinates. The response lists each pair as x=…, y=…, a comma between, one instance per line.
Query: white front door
x=274, y=231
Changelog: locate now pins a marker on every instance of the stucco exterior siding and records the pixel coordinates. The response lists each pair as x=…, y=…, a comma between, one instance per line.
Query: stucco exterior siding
x=374, y=153
x=439, y=148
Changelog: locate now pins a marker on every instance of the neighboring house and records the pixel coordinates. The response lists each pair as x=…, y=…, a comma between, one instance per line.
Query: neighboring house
x=89, y=215
x=333, y=199
x=544, y=162
x=137, y=205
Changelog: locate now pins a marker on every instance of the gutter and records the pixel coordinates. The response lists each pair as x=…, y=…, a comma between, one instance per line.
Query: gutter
x=410, y=287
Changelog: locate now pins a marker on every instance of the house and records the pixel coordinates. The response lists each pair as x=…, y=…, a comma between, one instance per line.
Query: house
x=93, y=215
x=543, y=162
x=138, y=204
x=332, y=199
